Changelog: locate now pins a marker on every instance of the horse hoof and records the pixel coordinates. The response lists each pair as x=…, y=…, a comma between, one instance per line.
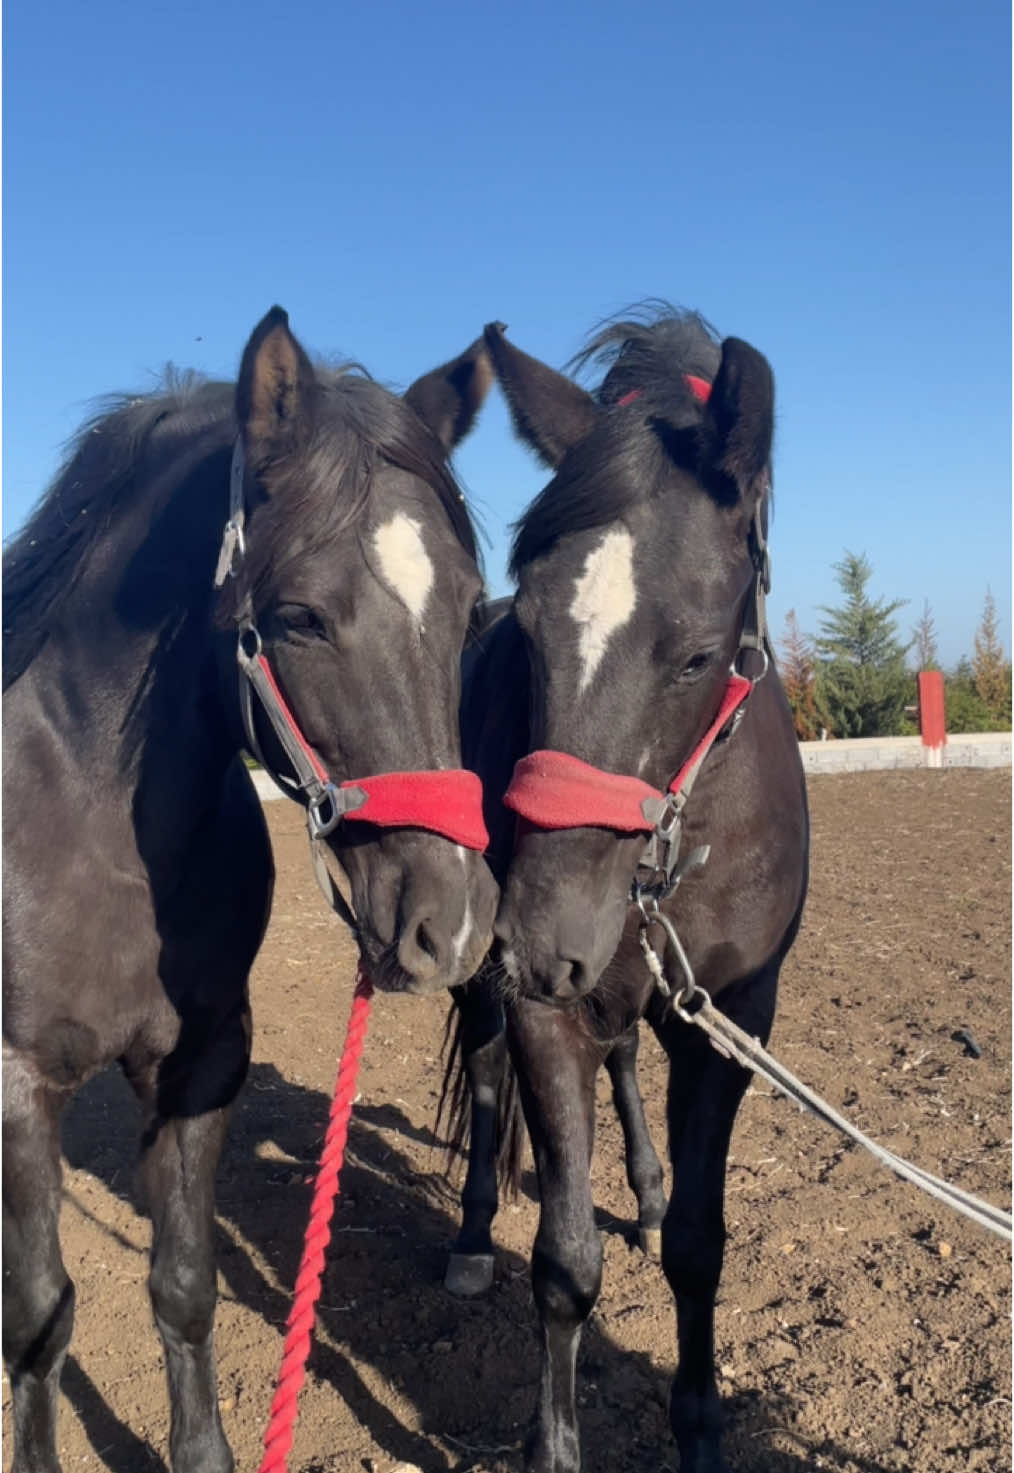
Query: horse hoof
x=650, y=1240
x=469, y=1274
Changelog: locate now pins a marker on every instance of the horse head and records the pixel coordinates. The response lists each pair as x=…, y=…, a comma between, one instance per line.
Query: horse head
x=355, y=588
x=638, y=571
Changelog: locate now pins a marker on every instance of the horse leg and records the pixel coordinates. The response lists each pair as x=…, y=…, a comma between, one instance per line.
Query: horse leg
x=484, y=1061
x=181, y=1145
x=705, y=1091
x=38, y=1300
x=556, y=1062
x=644, y=1172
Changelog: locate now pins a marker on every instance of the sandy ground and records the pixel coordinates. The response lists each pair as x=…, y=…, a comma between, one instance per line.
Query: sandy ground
x=861, y=1327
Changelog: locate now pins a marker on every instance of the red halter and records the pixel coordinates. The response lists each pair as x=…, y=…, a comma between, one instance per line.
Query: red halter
x=554, y=790
x=446, y=802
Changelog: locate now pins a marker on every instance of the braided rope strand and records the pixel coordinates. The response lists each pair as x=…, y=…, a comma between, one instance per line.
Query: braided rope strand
x=282, y=1421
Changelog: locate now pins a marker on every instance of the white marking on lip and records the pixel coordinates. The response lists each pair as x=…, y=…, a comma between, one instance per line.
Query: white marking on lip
x=604, y=598
x=404, y=563
x=461, y=935
x=509, y=962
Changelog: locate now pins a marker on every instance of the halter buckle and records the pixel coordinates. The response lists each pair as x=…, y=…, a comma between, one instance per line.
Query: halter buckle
x=233, y=543
x=663, y=847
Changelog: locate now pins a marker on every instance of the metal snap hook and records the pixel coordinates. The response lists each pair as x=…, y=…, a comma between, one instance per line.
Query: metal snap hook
x=654, y=963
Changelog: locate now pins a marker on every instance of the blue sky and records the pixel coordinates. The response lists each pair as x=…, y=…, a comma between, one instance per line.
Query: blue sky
x=830, y=182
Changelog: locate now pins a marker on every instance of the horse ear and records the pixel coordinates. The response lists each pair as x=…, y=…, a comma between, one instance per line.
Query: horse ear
x=274, y=394
x=741, y=408
x=449, y=398
x=550, y=412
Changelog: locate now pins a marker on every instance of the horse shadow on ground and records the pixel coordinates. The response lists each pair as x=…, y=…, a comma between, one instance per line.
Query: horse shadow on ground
x=469, y=1367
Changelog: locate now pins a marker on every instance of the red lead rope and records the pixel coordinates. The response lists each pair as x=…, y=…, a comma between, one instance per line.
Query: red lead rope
x=278, y=1437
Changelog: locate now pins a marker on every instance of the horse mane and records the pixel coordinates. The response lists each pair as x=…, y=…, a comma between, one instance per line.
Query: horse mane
x=43, y=562
x=624, y=461
x=108, y=462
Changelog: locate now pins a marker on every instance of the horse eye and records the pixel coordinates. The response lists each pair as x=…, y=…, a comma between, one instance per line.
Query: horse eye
x=696, y=665
x=300, y=619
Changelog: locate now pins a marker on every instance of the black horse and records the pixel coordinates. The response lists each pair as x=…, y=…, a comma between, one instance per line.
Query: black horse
x=641, y=572
x=137, y=867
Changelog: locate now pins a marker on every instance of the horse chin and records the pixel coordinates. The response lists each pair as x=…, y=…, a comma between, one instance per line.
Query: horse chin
x=387, y=974
x=514, y=982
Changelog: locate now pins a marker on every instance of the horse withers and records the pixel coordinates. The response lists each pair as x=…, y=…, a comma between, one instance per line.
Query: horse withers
x=639, y=617
x=137, y=865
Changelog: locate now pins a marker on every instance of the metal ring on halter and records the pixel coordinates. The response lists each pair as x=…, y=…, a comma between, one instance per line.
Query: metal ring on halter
x=249, y=654
x=319, y=825
x=757, y=649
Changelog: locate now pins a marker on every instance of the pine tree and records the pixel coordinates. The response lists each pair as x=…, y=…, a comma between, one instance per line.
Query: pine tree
x=862, y=682
x=988, y=664
x=796, y=670
x=924, y=637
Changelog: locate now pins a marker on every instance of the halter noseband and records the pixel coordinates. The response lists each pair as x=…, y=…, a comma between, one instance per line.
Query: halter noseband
x=554, y=790
x=446, y=802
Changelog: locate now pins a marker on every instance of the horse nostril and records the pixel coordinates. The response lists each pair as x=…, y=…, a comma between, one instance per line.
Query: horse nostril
x=420, y=950
x=425, y=942
x=578, y=974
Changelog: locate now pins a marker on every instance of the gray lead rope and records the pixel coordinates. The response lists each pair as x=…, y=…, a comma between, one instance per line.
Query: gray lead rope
x=729, y=1039
x=725, y=1035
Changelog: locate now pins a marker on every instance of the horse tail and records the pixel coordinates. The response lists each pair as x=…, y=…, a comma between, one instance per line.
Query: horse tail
x=454, y=1108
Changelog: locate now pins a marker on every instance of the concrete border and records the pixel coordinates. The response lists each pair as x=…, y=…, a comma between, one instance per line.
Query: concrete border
x=879, y=754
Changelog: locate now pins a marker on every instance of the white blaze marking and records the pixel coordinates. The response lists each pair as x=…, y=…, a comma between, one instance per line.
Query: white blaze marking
x=461, y=936
x=604, y=598
x=405, y=563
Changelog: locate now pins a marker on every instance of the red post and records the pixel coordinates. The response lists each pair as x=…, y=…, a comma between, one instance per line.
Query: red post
x=932, y=724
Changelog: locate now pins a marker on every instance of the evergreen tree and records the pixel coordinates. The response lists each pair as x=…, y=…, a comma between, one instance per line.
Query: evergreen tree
x=862, y=682
x=989, y=668
x=924, y=637
x=796, y=670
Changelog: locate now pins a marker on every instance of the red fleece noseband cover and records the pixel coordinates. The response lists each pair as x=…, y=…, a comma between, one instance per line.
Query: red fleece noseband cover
x=444, y=802
x=554, y=790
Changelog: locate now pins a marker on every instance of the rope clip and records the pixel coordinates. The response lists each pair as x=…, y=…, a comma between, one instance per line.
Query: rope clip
x=651, y=915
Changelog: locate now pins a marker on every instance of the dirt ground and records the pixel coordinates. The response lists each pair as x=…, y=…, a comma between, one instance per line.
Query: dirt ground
x=861, y=1327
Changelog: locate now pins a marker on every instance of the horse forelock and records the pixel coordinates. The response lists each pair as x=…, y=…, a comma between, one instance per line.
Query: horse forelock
x=625, y=461
x=330, y=487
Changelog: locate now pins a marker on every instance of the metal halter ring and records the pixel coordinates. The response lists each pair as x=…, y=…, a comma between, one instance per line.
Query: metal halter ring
x=329, y=805
x=249, y=642
x=747, y=647
x=321, y=824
